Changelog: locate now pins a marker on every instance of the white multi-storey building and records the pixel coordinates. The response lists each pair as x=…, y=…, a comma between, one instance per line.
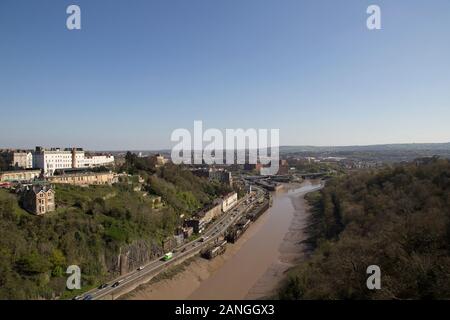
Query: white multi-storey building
x=22, y=159
x=99, y=160
x=229, y=201
x=52, y=159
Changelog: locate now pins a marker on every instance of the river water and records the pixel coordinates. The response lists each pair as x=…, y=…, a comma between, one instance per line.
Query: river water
x=271, y=248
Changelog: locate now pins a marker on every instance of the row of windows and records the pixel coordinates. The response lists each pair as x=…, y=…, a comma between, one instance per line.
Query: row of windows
x=41, y=209
x=78, y=178
x=69, y=156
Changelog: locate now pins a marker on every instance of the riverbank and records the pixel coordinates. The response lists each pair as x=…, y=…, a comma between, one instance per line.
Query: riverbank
x=191, y=274
x=251, y=268
x=291, y=251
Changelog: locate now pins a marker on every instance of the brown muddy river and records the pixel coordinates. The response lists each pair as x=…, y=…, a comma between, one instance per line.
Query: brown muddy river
x=254, y=268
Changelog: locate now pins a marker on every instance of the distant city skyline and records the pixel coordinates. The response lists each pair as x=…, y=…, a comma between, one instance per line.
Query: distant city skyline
x=138, y=70
x=283, y=148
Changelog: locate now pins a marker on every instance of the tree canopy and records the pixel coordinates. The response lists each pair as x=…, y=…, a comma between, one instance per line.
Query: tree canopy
x=89, y=228
x=397, y=218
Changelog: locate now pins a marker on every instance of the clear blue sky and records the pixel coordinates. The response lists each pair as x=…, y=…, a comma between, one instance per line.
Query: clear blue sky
x=140, y=69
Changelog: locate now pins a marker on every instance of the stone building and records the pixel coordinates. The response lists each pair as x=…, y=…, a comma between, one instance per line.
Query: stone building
x=160, y=160
x=213, y=174
x=84, y=178
x=19, y=175
x=187, y=232
x=205, y=216
x=223, y=176
x=156, y=201
x=38, y=199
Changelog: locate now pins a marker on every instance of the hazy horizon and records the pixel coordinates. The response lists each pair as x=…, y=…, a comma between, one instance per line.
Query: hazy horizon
x=281, y=147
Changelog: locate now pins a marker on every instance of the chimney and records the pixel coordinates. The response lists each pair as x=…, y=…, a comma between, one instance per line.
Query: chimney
x=74, y=160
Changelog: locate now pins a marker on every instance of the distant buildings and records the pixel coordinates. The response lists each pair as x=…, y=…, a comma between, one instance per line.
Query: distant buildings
x=22, y=160
x=220, y=175
x=207, y=214
x=253, y=167
x=84, y=178
x=159, y=160
x=38, y=199
x=223, y=176
x=269, y=185
x=19, y=175
x=49, y=160
x=283, y=168
x=52, y=159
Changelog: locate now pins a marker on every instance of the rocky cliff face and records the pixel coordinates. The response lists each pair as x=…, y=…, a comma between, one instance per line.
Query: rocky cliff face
x=132, y=256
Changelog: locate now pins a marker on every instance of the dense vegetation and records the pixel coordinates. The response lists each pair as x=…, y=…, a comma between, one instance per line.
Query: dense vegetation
x=89, y=227
x=397, y=218
x=134, y=164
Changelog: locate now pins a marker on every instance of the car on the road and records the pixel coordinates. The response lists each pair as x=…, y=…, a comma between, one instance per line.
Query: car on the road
x=116, y=284
x=88, y=297
x=102, y=286
x=140, y=268
x=167, y=256
x=77, y=298
x=183, y=250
